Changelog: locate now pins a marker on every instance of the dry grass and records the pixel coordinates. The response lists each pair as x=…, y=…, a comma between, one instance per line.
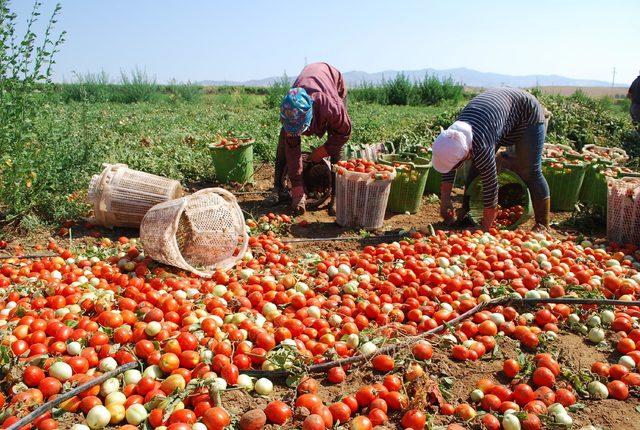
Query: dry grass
x=597, y=92
x=615, y=92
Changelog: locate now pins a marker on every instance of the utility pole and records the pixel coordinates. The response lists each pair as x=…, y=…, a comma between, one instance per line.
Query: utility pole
x=613, y=81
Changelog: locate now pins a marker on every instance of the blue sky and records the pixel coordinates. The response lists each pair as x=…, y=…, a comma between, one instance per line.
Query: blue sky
x=238, y=40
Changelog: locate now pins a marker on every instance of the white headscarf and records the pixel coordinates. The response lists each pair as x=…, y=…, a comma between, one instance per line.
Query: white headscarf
x=451, y=146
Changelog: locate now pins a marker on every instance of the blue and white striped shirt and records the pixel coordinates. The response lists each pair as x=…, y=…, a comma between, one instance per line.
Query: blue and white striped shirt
x=498, y=117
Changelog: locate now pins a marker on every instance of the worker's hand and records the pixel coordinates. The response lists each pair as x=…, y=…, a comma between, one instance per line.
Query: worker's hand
x=488, y=217
x=446, y=208
x=319, y=153
x=446, y=211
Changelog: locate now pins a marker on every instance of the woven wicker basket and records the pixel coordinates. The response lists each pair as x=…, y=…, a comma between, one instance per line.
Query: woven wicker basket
x=623, y=210
x=199, y=233
x=361, y=200
x=121, y=196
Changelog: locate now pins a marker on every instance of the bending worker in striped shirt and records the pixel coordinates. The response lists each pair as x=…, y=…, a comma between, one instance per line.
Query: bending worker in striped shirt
x=497, y=117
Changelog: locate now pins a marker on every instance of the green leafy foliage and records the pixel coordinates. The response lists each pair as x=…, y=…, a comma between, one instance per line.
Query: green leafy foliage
x=276, y=92
x=398, y=90
x=55, y=137
x=430, y=91
x=25, y=68
x=579, y=120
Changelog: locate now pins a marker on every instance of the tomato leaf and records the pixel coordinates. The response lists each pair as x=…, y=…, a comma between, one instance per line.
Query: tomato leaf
x=576, y=407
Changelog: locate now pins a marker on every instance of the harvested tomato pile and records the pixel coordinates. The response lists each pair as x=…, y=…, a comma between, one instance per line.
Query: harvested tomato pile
x=379, y=171
x=557, y=152
x=65, y=320
x=507, y=216
x=230, y=143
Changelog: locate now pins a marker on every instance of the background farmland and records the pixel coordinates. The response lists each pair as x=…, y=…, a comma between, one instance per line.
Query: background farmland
x=167, y=129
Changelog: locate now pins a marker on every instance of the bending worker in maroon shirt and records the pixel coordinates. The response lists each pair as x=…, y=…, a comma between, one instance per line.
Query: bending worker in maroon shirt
x=315, y=105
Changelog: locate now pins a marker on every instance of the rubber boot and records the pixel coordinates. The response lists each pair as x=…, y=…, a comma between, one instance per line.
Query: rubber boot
x=542, y=212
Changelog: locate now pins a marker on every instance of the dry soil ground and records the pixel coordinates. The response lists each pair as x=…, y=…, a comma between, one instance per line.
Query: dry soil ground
x=574, y=351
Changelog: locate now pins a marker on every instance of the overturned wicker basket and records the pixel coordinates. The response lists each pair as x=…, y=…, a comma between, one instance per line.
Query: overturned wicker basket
x=200, y=233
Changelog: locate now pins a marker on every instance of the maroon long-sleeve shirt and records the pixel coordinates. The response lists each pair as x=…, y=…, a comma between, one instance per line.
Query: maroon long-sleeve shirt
x=325, y=85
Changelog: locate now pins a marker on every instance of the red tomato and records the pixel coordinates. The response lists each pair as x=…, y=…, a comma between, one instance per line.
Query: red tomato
x=422, y=350
x=335, y=375
x=309, y=401
x=618, y=390
x=216, y=418
x=49, y=386
x=383, y=363
x=543, y=377
x=33, y=375
x=313, y=422
x=278, y=412
x=340, y=411
x=414, y=419
x=532, y=422
x=392, y=382
x=361, y=423
x=523, y=394
x=565, y=397
x=490, y=422
x=230, y=374
x=511, y=368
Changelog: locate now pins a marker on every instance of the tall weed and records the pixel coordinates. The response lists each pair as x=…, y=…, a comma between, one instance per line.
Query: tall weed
x=276, y=92
x=136, y=86
x=25, y=64
x=398, y=90
x=90, y=87
x=186, y=92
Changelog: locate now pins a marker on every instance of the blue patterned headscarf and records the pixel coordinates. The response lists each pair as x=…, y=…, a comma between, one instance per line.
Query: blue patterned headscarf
x=296, y=111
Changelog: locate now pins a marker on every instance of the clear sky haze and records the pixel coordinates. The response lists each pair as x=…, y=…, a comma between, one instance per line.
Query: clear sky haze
x=193, y=40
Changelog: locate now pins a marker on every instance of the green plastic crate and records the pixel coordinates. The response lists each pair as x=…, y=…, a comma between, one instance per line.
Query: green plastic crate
x=234, y=165
x=505, y=177
x=408, y=186
x=594, y=185
x=595, y=194
x=565, y=181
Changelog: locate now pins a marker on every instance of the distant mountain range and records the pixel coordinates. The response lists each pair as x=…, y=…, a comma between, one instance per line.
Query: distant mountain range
x=468, y=77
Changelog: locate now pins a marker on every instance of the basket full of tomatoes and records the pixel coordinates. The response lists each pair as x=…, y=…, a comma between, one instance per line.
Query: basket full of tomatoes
x=233, y=159
x=514, y=201
x=611, y=154
x=362, y=192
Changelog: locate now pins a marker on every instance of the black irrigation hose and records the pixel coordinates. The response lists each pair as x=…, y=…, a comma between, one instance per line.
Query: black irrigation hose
x=323, y=367
x=46, y=407
x=579, y=301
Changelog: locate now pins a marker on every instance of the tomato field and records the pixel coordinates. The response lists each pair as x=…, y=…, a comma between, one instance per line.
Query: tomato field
x=429, y=331
x=439, y=330
x=345, y=335
x=415, y=325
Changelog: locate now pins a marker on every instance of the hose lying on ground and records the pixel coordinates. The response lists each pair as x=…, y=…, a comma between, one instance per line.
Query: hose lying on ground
x=323, y=367
x=46, y=407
